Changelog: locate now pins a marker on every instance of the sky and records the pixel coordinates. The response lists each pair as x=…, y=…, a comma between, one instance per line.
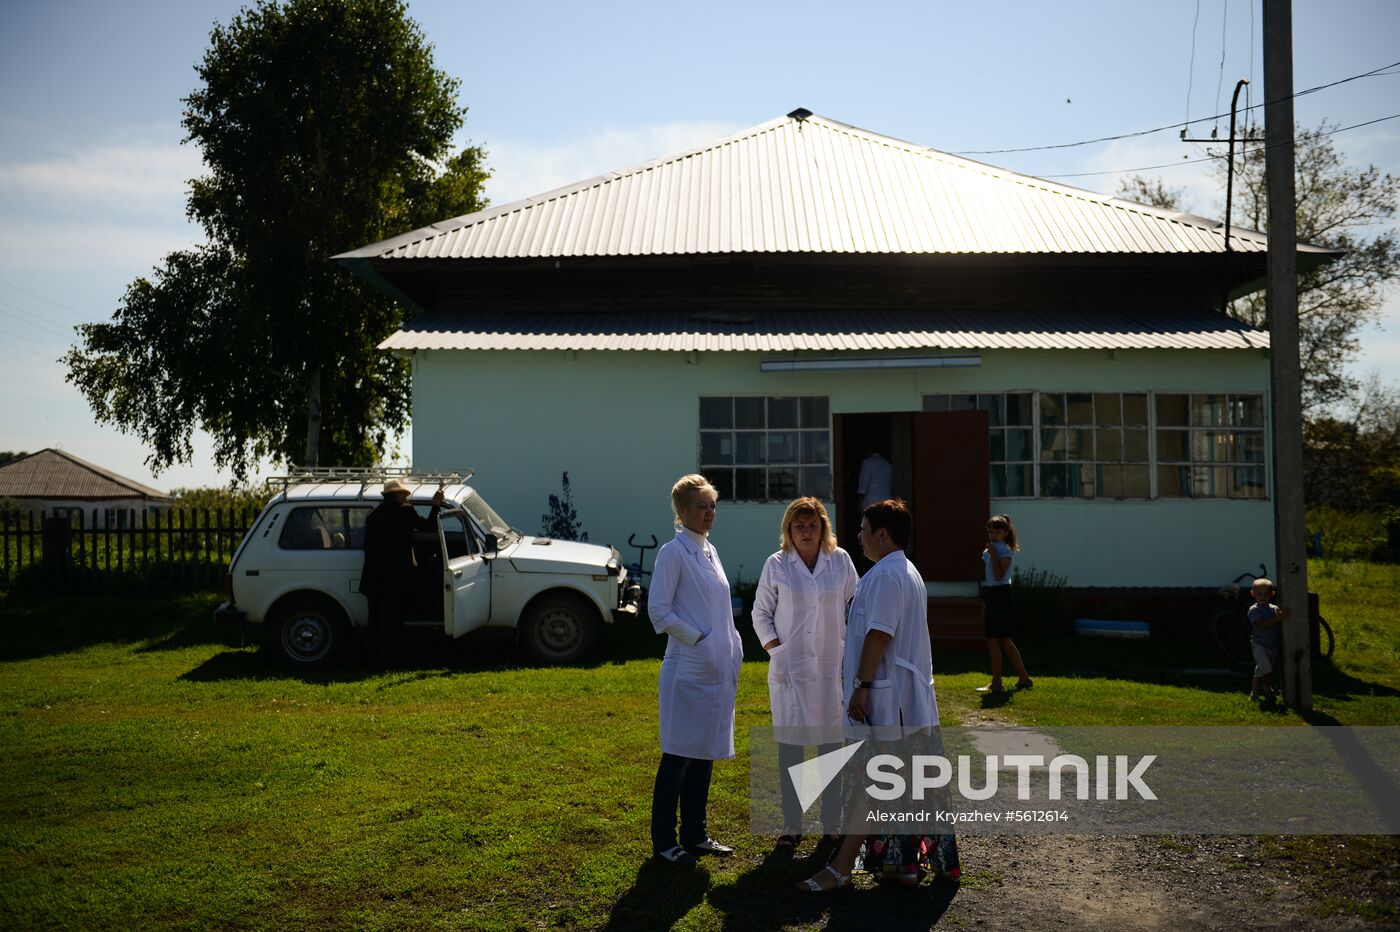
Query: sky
x=93, y=172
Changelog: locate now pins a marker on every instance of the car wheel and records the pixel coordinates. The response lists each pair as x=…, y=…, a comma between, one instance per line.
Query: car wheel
x=559, y=629
x=309, y=633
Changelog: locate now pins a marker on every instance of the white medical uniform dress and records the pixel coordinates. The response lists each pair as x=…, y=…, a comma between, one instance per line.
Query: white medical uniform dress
x=892, y=598
x=876, y=480
x=689, y=601
x=806, y=611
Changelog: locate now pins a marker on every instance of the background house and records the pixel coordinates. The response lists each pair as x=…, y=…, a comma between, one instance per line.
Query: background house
x=766, y=308
x=57, y=482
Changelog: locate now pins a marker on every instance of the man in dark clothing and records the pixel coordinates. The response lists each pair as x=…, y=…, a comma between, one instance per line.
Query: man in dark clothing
x=387, y=577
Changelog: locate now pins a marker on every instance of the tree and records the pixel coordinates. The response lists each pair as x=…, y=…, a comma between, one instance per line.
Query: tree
x=561, y=521
x=1151, y=191
x=1339, y=206
x=324, y=126
x=1351, y=461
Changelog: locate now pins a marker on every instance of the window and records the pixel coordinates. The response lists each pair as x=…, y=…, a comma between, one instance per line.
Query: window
x=116, y=517
x=1094, y=445
x=1210, y=446
x=766, y=449
x=460, y=540
x=328, y=527
x=74, y=515
x=1100, y=444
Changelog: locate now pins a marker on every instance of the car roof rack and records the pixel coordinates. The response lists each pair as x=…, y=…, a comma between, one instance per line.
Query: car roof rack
x=365, y=476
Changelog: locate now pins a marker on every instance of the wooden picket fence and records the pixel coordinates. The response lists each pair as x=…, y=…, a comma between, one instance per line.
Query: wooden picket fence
x=156, y=550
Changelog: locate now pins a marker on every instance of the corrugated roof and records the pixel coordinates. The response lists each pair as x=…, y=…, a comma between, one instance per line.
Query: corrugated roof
x=777, y=331
x=58, y=474
x=812, y=185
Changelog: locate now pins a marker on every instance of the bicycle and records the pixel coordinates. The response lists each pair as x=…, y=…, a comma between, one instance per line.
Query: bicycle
x=1231, y=629
x=638, y=569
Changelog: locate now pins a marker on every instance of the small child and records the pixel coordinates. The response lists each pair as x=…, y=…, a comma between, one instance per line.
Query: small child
x=1265, y=638
x=998, y=611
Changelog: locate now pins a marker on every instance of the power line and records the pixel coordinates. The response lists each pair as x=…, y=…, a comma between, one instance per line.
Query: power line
x=1190, y=69
x=85, y=319
x=33, y=319
x=47, y=346
x=1210, y=158
x=1375, y=72
x=25, y=349
x=46, y=330
x=1220, y=80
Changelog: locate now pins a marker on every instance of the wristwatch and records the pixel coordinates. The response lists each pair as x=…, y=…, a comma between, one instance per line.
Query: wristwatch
x=865, y=684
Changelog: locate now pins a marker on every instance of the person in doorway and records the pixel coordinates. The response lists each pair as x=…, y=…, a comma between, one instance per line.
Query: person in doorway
x=799, y=615
x=689, y=602
x=387, y=576
x=876, y=480
x=887, y=669
x=998, y=609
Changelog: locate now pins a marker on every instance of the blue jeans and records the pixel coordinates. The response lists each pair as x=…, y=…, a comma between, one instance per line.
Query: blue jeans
x=683, y=779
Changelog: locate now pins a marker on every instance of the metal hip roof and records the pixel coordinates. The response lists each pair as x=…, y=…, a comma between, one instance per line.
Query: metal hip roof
x=807, y=184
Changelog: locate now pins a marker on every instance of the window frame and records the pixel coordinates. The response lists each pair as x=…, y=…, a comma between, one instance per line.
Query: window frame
x=1153, y=463
x=345, y=507
x=704, y=468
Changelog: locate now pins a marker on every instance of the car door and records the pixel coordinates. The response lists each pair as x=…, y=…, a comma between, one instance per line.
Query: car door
x=466, y=603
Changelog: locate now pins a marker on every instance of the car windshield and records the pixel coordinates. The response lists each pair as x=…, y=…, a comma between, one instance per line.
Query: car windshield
x=490, y=522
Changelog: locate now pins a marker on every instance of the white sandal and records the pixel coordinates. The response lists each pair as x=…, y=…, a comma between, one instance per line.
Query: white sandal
x=843, y=882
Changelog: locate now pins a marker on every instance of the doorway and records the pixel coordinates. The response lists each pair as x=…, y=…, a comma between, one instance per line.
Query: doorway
x=940, y=466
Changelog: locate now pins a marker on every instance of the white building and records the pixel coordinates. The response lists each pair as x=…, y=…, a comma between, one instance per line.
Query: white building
x=765, y=308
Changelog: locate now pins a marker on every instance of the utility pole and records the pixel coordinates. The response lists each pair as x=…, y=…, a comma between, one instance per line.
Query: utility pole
x=1291, y=559
x=1229, y=191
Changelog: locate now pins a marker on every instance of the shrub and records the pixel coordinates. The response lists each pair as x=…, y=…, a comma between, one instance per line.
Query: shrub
x=249, y=498
x=1040, y=598
x=1349, y=535
x=561, y=521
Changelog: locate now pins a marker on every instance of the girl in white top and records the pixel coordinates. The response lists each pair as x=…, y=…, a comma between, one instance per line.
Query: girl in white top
x=689, y=602
x=799, y=615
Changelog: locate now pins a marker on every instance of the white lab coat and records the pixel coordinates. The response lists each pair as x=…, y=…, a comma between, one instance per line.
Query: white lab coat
x=876, y=481
x=689, y=601
x=892, y=598
x=806, y=611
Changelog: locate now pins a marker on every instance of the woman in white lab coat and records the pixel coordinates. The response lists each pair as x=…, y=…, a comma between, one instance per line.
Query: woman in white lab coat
x=799, y=615
x=689, y=602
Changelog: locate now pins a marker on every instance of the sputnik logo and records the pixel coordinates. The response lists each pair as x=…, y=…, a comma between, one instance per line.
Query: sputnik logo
x=811, y=778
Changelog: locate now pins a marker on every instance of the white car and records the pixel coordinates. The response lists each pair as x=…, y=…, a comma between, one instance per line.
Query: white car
x=297, y=572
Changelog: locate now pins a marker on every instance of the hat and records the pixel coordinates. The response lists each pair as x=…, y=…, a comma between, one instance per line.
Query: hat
x=393, y=487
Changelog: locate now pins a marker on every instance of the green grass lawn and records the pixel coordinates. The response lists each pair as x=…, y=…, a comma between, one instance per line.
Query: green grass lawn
x=158, y=772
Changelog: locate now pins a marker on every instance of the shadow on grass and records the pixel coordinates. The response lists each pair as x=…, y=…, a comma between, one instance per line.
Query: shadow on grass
x=424, y=654
x=32, y=627
x=1186, y=663
x=766, y=897
x=659, y=897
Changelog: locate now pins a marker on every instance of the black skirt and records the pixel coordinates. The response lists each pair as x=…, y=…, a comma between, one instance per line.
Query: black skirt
x=999, y=611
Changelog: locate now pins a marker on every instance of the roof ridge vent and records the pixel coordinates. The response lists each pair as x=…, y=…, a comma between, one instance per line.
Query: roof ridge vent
x=800, y=114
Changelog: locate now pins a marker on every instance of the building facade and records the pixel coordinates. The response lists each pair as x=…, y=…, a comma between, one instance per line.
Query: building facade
x=770, y=308
x=58, y=484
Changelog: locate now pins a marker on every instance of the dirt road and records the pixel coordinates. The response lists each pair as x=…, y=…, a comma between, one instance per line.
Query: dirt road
x=1162, y=882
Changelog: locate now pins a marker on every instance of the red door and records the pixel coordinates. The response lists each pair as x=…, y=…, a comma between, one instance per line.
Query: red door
x=952, y=503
